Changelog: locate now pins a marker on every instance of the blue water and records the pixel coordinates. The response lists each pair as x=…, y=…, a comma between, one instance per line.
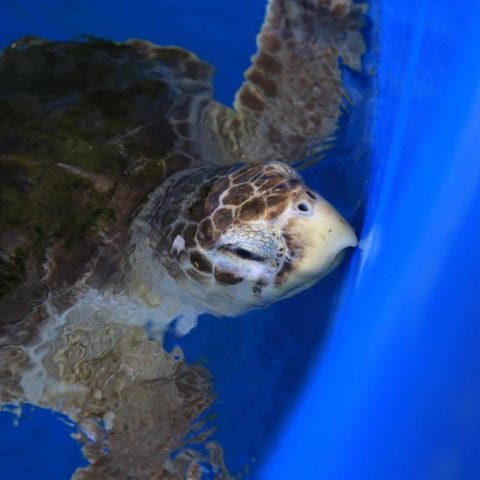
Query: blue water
x=40, y=446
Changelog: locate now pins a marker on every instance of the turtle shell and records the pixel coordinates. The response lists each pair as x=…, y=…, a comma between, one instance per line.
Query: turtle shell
x=88, y=129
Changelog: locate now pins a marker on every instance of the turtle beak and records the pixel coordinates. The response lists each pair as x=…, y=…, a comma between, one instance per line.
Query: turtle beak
x=322, y=236
x=326, y=235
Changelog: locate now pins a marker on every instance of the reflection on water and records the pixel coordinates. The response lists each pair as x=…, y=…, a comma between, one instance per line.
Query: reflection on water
x=133, y=402
x=142, y=411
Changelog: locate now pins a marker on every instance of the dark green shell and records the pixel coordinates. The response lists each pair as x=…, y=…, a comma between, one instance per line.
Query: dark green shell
x=87, y=129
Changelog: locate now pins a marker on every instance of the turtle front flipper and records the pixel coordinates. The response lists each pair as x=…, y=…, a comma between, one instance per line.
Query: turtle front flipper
x=291, y=101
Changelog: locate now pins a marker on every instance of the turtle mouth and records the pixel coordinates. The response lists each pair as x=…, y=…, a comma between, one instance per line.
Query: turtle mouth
x=330, y=267
x=336, y=261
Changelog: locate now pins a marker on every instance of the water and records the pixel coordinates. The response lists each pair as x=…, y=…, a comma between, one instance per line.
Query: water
x=258, y=361
x=38, y=445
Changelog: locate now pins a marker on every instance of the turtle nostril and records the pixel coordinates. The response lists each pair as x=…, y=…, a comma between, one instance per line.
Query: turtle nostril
x=303, y=207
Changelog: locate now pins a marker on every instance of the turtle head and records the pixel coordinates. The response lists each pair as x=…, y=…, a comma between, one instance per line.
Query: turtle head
x=241, y=239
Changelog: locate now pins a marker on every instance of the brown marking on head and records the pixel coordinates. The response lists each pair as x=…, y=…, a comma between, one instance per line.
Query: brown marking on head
x=271, y=183
x=275, y=210
x=200, y=262
x=227, y=278
x=205, y=234
x=253, y=208
x=274, y=199
x=212, y=202
x=294, y=184
x=220, y=185
x=216, y=190
x=238, y=194
x=262, y=178
x=290, y=241
x=258, y=287
x=222, y=218
x=246, y=174
x=283, y=272
x=294, y=251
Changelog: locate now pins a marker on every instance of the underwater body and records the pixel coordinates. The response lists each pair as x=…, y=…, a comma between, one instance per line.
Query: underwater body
x=189, y=385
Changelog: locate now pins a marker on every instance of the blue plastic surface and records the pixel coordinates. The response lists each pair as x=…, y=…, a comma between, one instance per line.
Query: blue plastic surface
x=393, y=383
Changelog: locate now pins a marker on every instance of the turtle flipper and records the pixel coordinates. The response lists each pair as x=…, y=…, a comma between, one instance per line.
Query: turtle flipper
x=291, y=100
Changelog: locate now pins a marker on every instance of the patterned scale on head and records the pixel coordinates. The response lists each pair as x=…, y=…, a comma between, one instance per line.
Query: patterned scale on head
x=240, y=237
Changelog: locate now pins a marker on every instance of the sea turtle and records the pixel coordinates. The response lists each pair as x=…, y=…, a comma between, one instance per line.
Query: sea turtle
x=129, y=196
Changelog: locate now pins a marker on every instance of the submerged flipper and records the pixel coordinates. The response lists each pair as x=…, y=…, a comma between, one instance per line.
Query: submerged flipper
x=290, y=103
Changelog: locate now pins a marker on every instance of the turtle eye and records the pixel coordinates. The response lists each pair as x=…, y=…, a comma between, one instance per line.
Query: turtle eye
x=243, y=253
x=303, y=208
